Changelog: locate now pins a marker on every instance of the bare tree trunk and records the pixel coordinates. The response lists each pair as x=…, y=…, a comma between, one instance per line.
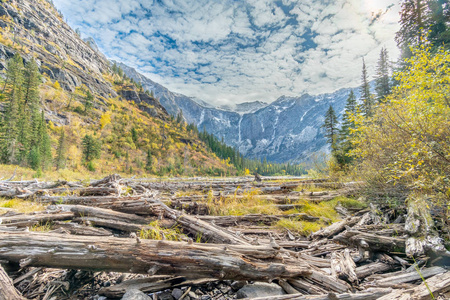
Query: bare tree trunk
x=236, y=262
x=7, y=290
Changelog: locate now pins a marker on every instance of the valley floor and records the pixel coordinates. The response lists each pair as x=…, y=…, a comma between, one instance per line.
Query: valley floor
x=204, y=238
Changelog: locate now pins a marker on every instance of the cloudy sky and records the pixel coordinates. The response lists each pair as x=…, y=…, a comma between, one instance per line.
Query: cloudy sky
x=232, y=51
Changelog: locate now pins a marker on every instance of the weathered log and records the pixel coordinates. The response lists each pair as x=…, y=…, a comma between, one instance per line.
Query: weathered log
x=329, y=282
x=307, y=286
x=149, y=285
x=405, y=277
x=289, y=289
x=254, y=218
x=107, y=180
x=370, y=294
x=7, y=290
x=208, y=232
x=370, y=242
x=335, y=228
x=438, y=285
x=32, y=219
x=343, y=266
x=78, y=229
x=372, y=268
x=98, y=191
x=235, y=262
x=87, y=211
x=132, y=205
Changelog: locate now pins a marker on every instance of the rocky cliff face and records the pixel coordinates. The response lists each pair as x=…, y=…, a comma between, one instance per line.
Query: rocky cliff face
x=36, y=26
x=288, y=129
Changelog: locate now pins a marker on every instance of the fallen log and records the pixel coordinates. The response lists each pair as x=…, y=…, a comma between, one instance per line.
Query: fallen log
x=234, y=262
x=335, y=228
x=149, y=285
x=87, y=211
x=254, y=218
x=132, y=205
x=371, y=294
x=208, y=232
x=405, y=277
x=29, y=220
x=343, y=266
x=78, y=229
x=372, y=268
x=370, y=242
x=7, y=290
x=438, y=286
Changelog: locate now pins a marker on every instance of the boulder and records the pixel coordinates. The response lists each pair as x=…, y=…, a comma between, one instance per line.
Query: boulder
x=135, y=295
x=260, y=289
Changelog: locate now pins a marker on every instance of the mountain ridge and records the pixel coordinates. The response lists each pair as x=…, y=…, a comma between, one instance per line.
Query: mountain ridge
x=286, y=130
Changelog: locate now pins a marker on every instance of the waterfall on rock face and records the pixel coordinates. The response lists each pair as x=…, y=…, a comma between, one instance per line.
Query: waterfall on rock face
x=240, y=136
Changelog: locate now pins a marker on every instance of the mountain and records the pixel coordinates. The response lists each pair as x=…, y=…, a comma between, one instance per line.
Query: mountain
x=287, y=130
x=82, y=95
x=245, y=108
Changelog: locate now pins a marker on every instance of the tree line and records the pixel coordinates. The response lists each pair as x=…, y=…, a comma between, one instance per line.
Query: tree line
x=397, y=139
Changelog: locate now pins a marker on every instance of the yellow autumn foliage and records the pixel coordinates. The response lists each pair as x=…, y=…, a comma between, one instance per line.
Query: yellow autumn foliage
x=406, y=144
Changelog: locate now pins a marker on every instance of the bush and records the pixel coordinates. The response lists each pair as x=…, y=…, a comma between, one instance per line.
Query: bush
x=405, y=146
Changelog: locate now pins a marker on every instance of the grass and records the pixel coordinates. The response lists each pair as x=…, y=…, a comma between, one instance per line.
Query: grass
x=47, y=226
x=249, y=203
x=301, y=227
x=21, y=206
x=310, y=187
x=156, y=232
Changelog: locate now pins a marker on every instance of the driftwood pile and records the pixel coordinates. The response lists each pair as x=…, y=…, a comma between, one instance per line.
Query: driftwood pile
x=94, y=233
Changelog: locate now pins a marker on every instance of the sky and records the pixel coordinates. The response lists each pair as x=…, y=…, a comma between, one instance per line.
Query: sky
x=233, y=51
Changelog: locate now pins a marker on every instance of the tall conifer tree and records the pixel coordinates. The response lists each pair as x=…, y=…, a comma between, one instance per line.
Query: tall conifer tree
x=383, y=77
x=330, y=125
x=366, y=96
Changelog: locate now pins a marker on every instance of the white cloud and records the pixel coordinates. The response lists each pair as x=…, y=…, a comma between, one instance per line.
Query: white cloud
x=234, y=51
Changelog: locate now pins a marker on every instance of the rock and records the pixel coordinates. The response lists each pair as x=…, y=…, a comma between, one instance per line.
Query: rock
x=237, y=285
x=192, y=295
x=177, y=293
x=260, y=289
x=205, y=297
x=135, y=295
x=165, y=296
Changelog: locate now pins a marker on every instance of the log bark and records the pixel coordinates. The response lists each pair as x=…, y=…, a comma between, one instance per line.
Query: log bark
x=28, y=220
x=409, y=277
x=234, y=262
x=371, y=294
x=438, y=285
x=371, y=242
x=149, y=285
x=87, y=211
x=209, y=232
x=372, y=268
x=343, y=266
x=335, y=228
x=7, y=290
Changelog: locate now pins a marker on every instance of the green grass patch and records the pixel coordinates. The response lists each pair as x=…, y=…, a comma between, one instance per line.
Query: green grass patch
x=156, y=232
x=21, y=206
x=304, y=228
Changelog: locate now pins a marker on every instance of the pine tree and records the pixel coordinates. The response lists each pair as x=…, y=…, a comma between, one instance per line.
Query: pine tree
x=331, y=129
x=382, y=81
x=91, y=148
x=148, y=165
x=88, y=101
x=344, y=144
x=60, y=161
x=32, y=100
x=439, y=31
x=13, y=90
x=414, y=20
x=44, y=144
x=366, y=97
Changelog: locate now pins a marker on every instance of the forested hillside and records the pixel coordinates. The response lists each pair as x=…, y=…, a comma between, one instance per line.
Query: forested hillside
x=64, y=108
